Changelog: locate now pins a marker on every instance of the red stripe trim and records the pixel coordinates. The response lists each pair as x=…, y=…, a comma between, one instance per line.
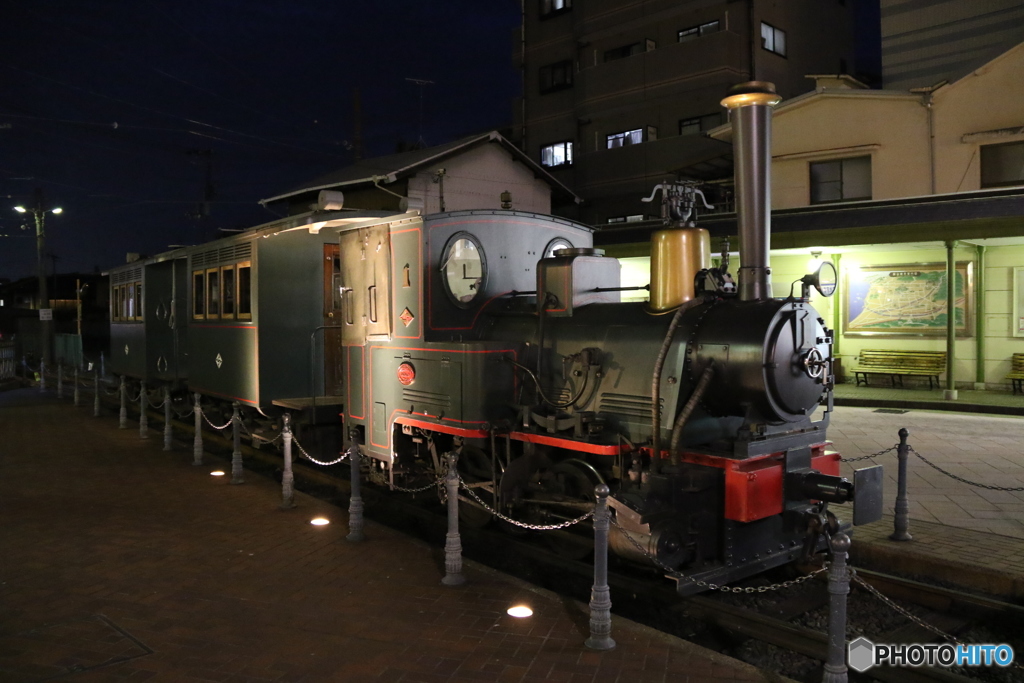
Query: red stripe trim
x=582, y=446
x=444, y=429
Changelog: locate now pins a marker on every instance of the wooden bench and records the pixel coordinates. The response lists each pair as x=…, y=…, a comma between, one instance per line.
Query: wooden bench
x=1016, y=375
x=930, y=364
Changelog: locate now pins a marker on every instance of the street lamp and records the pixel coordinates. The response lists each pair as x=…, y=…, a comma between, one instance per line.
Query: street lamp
x=45, y=319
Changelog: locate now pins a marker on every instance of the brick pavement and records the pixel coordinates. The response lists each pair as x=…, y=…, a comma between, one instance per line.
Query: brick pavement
x=123, y=563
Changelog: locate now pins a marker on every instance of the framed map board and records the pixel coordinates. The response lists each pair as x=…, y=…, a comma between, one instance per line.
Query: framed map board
x=1017, y=323
x=907, y=300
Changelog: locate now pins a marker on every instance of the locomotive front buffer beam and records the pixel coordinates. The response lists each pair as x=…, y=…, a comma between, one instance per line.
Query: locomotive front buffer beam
x=802, y=483
x=808, y=492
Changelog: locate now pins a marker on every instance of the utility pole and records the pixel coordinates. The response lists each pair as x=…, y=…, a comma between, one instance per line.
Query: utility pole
x=421, y=83
x=45, y=312
x=357, y=125
x=203, y=209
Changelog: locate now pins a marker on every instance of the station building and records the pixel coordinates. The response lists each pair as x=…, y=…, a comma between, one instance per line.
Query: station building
x=891, y=183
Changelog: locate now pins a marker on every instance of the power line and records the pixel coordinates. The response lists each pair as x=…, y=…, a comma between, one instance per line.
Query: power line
x=159, y=112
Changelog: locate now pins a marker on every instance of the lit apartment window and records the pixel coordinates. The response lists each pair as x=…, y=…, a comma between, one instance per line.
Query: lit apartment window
x=634, y=218
x=629, y=137
x=699, y=124
x=841, y=180
x=549, y=7
x=695, y=32
x=623, y=52
x=557, y=76
x=1002, y=165
x=557, y=154
x=773, y=39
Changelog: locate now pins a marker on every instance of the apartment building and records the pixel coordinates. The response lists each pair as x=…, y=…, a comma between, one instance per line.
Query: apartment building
x=616, y=93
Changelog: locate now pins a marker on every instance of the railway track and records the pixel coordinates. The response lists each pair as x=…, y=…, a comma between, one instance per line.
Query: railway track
x=720, y=621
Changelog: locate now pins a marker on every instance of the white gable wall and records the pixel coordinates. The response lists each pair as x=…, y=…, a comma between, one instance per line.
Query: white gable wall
x=476, y=178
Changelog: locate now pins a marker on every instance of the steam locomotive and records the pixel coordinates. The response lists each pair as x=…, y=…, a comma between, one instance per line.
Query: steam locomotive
x=501, y=336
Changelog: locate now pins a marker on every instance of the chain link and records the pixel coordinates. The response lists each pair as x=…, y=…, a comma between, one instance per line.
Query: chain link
x=257, y=437
x=307, y=456
x=524, y=525
x=961, y=479
x=868, y=457
x=219, y=429
x=439, y=483
x=920, y=622
x=712, y=586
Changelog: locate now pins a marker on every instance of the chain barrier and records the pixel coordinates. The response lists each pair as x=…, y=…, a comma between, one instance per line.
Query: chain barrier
x=868, y=457
x=263, y=439
x=136, y=398
x=961, y=479
x=524, y=525
x=307, y=456
x=256, y=437
x=439, y=483
x=159, y=404
x=713, y=586
x=219, y=429
x=906, y=613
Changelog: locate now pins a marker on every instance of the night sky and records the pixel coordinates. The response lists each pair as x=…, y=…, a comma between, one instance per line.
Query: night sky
x=113, y=107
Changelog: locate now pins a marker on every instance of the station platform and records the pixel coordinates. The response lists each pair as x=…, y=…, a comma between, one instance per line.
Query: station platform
x=120, y=562
x=881, y=395
x=965, y=535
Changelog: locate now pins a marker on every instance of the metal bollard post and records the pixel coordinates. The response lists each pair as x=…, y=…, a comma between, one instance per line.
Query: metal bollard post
x=103, y=365
x=143, y=417
x=60, y=380
x=838, y=588
x=237, y=475
x=122, y=420
x=42, y=377
x=197, y=442
x=600, y=595
x=901, y=523
x=453, y=542
x=96, y=394
x=287, y=477
x=76, y=395
x=167, y=419
x=355, y=501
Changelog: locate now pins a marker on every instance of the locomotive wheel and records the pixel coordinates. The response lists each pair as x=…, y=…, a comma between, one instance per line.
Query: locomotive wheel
x=577, y=486
x=475, y=466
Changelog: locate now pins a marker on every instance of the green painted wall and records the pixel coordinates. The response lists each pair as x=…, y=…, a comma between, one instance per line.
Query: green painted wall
x=1000, y=343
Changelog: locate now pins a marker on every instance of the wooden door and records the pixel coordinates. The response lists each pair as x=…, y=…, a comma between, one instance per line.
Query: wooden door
x=333, y=356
